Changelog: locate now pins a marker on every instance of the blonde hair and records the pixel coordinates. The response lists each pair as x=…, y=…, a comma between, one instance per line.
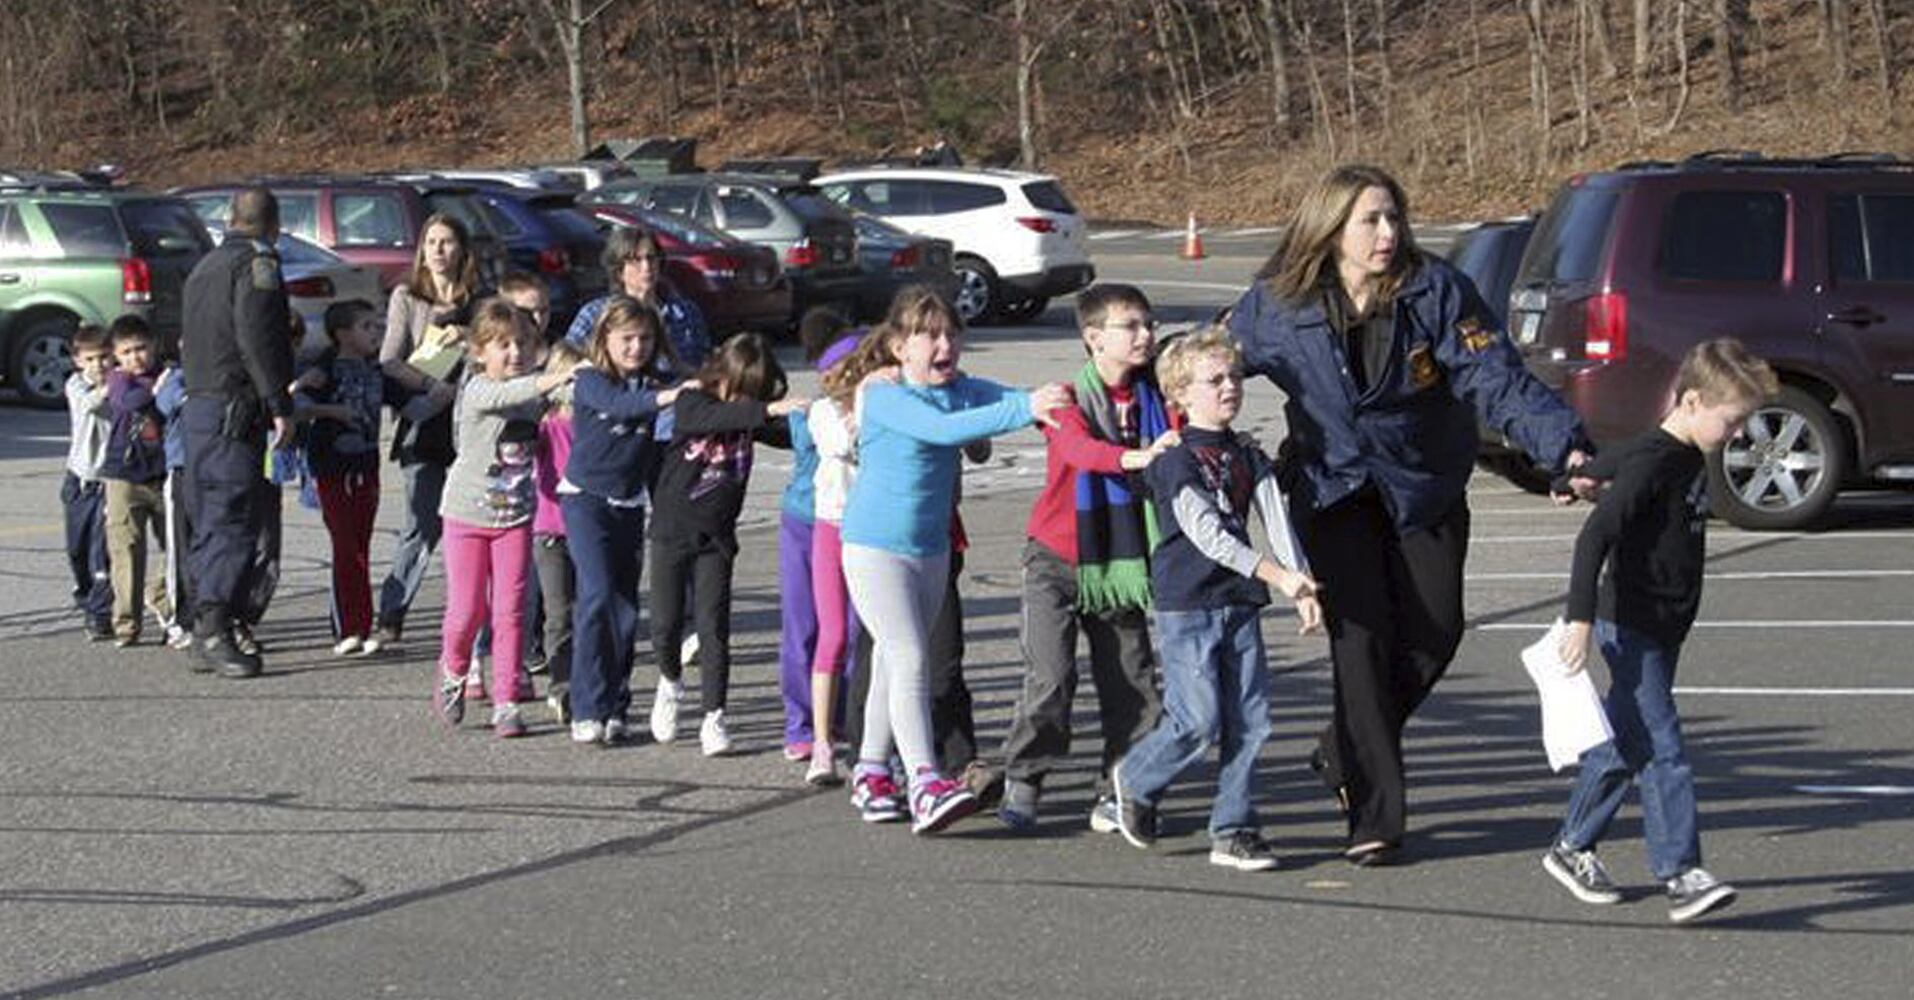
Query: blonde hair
x=1722, y=370
x=1176, y=365
x=495, y=319
x=622, y=311
x=563, y=356
x=1306, y=255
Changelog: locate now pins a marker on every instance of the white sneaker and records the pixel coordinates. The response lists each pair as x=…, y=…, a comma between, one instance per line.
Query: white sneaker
x=688, y=649
x=370, y=645
x=347, y=646
x=617, y=731
x=712, y=736
x=178, y=638
x=588, y=731
x=664, y=710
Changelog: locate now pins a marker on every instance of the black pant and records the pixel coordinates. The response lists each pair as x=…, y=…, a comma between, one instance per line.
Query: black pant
x=705, y=559
x=952, y=724
x=226, y=514
x=84, y=504
x=1121, y=667
x=1392, y=600
x=557, y=589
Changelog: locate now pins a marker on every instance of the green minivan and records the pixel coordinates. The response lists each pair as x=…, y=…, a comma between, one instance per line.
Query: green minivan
x=72, y=256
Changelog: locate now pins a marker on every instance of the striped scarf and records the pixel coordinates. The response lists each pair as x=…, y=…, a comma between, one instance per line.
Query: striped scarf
x=1116, y=522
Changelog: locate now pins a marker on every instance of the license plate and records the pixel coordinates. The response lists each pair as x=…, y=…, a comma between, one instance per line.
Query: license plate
x=1531, y=326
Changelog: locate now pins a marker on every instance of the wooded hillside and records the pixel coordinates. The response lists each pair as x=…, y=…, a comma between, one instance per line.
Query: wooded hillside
x=1146, y=107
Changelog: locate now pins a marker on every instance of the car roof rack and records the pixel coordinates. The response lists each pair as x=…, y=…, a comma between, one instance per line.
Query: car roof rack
x=1745, y=159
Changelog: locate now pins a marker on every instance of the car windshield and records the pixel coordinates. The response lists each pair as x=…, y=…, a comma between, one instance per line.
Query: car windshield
x=811, y=205
x=1049, y=196
x=165, y=227
x=1567, y=245
x=872, y=228
x=295, y=252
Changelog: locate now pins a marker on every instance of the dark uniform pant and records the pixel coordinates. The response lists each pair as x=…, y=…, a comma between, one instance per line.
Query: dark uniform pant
x=1393, y=607
x=226, y=473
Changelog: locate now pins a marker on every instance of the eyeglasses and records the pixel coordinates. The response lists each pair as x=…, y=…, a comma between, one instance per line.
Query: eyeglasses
x=1133, y=326
x=644, y=258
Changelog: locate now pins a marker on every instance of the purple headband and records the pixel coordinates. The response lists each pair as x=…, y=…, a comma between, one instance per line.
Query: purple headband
x=839, y=350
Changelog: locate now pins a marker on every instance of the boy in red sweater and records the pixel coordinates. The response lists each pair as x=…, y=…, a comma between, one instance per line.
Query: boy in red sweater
x=1086, y=560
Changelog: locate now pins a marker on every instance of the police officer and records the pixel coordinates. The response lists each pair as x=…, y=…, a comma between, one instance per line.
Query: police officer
x=1388, y=359
x=238, y=367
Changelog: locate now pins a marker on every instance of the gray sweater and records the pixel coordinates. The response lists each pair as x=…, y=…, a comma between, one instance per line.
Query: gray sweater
x=91, y=422
x=490, y=484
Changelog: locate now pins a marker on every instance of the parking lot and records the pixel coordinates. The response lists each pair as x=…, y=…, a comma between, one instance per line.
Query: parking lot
x=314, y=834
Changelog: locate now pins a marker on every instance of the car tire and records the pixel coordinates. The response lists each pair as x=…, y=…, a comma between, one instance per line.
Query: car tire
x=977, y=295
x=40, y=358
x=1518, y=470
x=1783, y=469
x=1023, y=310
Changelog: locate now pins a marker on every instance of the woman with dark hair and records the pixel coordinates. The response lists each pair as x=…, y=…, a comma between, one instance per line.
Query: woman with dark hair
x=635, y=267
x=1388, y=358
x=427, y=320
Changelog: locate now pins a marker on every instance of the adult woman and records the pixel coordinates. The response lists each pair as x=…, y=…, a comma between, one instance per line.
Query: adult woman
x=429, y=311
x=635, y=267
x=1388, y=357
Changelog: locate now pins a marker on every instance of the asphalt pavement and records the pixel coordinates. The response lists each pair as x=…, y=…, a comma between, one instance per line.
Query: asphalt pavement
x=314, y=834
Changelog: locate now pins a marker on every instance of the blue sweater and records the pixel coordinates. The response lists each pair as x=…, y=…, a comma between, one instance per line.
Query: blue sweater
x=800, y=494
x=909, y=442
x=614, y=454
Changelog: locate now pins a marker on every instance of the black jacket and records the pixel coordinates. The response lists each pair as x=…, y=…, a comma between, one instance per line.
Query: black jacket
x=237, y=343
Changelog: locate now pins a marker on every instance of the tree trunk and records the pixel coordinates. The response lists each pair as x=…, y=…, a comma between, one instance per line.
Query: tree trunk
x=1644, y=32
x=1349, y=65
x=1681, y=64
x=1385, y=78
x=1730, y=27
x=1278, y=68
x=1603, y=37
x=1318, y=91
x=1026, y=65
x=1533, y=14
x=1834, y=28
x=1884, y=45
x=1579, y=78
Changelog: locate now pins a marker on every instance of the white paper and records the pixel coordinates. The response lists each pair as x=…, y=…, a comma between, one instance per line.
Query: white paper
x=1572, y=717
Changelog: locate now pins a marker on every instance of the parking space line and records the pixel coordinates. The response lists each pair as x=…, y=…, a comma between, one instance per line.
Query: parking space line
x=1874, y=790
x=1785, y=692
x=1725, y=624
x=1164, y=283
x=1724, y=537
x=1780, y=574
x=1120, y=234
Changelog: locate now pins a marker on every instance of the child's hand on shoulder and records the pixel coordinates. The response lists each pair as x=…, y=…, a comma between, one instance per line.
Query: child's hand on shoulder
x=888, y=375
x=1573, y=649
x=787, y=406
x=1047, y=397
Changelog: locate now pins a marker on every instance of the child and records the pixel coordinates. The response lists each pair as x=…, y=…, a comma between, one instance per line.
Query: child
x=1210, y=584
x=739, y=398
x=797, y=515
x=835, y=435
x=1086, y=562
x=135, y=476
x=170, y=398
x=82, y=497
x=557, y=582
x=1649, y=530
x=912, y=420
x=615, y=403
x=487, y=512
x=342, y=395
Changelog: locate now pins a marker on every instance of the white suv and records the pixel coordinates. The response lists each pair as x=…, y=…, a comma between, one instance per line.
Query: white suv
x=1018, y=239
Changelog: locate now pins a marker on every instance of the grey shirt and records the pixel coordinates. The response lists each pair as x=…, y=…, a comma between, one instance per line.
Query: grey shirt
x=91, y=423
x=490, y=484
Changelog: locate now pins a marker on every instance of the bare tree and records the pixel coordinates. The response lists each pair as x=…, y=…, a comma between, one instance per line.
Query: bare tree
x=1533, y=14
x=570, y=22
x=1834, y=38
x=1034, y=35
x=1731, y=26
x=1683, y=83
x=1278, y=67
x=1884, y=51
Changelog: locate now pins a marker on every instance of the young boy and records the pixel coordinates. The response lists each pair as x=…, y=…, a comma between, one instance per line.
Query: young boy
x=82, y=497
x=341, y=394
x=170, y=398
x=1649, y=530
x=1210, y=587
x=1086, y=559
x=135, y=476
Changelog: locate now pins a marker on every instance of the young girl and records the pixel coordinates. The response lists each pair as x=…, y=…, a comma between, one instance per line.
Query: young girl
x=912, y=421
x=487, y=512
x=551, y=557
x=615, y=403
x=835, y=435
x=739, y=399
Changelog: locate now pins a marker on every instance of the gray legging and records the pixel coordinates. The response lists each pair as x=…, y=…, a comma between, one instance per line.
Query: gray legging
x=897, y=597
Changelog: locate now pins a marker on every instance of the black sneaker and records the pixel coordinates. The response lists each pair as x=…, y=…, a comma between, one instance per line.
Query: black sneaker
x=219, y=652
x=1582, y=873
x=1136, y=821
x=99, y=630
x=1243, y=851
x=1695, y=892
x=390, y=631
x=243, y=639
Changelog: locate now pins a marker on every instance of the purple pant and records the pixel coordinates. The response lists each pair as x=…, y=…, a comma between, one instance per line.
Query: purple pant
x=799, y=633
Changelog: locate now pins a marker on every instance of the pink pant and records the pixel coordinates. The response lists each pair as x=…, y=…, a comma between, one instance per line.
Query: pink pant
x=486, y=568
x=833, y=600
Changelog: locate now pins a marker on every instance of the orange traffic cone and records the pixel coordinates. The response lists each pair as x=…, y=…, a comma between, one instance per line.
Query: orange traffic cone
x=1192, y=241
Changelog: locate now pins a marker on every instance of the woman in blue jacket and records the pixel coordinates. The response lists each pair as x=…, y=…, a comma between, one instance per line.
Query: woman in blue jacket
x=1388, y=358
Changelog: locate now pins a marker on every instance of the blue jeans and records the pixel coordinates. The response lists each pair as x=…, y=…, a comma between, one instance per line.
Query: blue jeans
x=418, y=538
x=1215, y=691
x=607, y=546
x=1647, y=748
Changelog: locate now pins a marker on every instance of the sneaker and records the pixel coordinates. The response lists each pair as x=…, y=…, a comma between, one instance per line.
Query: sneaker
x=1582, y=873
x=448, y=702
x=795, y=752
x=245, y=641
x=537, y=663
x=617, y=730
x=688, y=649
x=125, y=639
x=178, y=638
x=99, y=631
x=370, y=645
x=713, y=738
x=875, y=798
x=475, y=680
x=823, y=770
x=664, y=710
x=1243, y=851
x=588, y=731
x=561, y=707
x=1136, y=821
x=507, y=723
x=390, y=631
x=985, y=782
x=347, y=646
x=936, y=802
x=1019, y=808
x=1695, y=892
x=220, y=652
x=1103, y=815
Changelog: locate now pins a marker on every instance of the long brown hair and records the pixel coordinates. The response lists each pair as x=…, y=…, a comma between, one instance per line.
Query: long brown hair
x=623, y=310
x=911, y=311
x=1306, y=255
x=745, y=368
x=465, y=280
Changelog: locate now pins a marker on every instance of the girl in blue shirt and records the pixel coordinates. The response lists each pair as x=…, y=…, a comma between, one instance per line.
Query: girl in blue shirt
x=915, y=411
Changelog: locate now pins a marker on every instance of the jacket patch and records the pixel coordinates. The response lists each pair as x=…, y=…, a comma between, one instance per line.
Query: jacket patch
x=1423, y=370
x=1474, y=335
x=265, y=274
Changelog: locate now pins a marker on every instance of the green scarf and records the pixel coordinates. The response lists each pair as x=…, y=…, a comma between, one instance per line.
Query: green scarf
x=1116, y=522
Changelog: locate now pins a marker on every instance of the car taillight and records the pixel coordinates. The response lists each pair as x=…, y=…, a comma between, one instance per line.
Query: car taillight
x=907, y=259
x=136, y=281
x=802, y=254
x=717, y=265
x=554, y=260
x=1037, y=223
x=1605, y=327
x=315, y=287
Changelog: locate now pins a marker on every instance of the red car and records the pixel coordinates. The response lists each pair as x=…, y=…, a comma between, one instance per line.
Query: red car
x=738, y=285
